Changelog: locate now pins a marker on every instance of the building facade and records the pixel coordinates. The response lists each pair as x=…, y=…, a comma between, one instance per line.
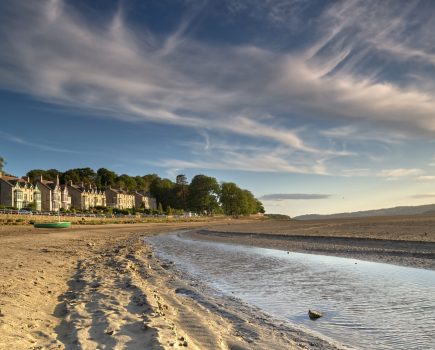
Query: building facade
x=19, y=193
x=86, y=197
x=53, y=196
x=120, y=199
x=144, y=200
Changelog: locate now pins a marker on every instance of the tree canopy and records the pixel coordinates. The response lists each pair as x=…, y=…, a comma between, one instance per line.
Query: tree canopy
x=236, y=201
x=204, y=194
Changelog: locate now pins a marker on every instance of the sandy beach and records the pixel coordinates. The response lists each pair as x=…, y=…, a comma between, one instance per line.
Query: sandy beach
x=101, y=287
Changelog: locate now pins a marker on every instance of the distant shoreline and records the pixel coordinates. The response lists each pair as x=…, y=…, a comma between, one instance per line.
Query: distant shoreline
x=406, y=253
x=407, y=240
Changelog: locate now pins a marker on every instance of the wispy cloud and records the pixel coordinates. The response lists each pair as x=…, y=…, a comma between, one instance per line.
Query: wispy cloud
x=250, y=91
x=293, y=196
x=394, y=174
x=423, y=196
x=44, y=147
x=427, y=177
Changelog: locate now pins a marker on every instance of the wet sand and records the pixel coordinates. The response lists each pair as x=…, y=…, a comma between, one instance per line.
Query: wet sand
x=101, y=287
x=407, y=241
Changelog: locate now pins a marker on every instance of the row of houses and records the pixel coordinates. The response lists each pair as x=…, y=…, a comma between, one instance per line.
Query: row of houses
x=46, y=195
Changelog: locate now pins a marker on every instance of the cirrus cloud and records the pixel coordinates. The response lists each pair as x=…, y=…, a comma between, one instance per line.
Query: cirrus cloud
x=293, y=196
x=246, y=90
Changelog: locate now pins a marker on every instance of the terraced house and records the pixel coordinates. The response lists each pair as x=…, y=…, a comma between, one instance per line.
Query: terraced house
x=144, y=200
x=120, y=199
x=54, y=196
x=19, y=193
x=84, y=197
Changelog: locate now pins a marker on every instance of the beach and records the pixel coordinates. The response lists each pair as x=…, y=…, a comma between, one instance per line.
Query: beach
x=102, y=287
x=407, y=241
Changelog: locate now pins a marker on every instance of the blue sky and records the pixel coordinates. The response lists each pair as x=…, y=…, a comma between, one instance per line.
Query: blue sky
x=316, y=106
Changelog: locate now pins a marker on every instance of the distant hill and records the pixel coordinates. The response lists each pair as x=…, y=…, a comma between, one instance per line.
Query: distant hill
x=428, y=209
x=277, y=216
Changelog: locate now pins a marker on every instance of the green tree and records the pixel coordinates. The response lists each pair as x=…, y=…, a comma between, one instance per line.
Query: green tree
x=169, y=211
x=126, y=181
x=71, y=175
x=77, y=175
x=181, y=180
x=160, y=208
x=260, y=207
x=181, y=192
x=148, y=180
x=232, y=199
x=105, y=178
x=164, y=192
x=33, y=174
x=236, y=201
x=203, y=194
x=49, y=174
x=140, y=183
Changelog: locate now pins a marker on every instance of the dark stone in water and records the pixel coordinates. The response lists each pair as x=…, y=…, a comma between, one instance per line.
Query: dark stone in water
x=314, y=314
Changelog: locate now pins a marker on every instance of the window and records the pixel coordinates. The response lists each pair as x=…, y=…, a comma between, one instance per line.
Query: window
x=18, y=195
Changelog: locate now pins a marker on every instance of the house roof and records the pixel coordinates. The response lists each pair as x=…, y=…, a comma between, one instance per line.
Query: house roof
x=12, y=180
x=82, y=188
x=119, y=191
x=44, y=183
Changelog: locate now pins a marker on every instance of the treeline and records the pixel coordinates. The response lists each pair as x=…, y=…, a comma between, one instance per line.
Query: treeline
x=203, y=195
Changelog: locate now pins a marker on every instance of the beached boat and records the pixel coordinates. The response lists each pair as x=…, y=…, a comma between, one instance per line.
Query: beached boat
x=59, y=224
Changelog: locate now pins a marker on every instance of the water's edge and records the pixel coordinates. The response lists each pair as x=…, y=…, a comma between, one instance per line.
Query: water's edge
x=220, y=274
x=231, y=307
x=416, y=254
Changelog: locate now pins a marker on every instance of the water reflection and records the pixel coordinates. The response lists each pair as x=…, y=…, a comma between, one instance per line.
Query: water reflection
x=367, y=305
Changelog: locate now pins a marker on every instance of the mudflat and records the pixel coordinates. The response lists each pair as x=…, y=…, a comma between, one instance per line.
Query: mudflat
x=408, y=241
x=101, y=287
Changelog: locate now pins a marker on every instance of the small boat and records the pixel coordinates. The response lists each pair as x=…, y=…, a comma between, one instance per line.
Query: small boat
x=314, y=315
x=59, y=224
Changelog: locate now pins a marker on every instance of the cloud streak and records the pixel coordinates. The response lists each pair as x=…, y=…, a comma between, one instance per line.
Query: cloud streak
x=21, y=141
x=249, y=91
x=293, y=196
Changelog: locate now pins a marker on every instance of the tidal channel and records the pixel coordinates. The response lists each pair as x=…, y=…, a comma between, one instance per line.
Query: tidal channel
x=366, y=305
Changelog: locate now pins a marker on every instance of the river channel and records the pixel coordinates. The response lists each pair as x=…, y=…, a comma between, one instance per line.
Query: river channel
x=366, y=305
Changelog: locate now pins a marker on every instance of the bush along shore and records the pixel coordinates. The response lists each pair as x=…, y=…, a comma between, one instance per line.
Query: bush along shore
x=17, y=219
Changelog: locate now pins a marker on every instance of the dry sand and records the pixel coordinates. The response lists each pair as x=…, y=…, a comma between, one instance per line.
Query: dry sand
x=100, y=287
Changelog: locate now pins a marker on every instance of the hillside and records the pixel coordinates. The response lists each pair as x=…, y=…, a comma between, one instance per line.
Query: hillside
x=404, y=210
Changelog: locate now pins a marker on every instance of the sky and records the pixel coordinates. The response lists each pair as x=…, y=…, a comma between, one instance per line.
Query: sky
x=314, y=106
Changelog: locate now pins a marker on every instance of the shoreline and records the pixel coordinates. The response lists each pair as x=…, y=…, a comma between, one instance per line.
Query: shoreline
x=101, y=286
x=415, y=254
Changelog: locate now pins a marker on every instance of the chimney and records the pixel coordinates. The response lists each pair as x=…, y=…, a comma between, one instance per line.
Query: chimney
x=70, y=182
x=1, y=173
x=28, y=179
x=57, y=180
x=39, y=178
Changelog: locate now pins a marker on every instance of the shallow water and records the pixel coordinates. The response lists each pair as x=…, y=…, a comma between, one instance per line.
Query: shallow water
x=367, y=305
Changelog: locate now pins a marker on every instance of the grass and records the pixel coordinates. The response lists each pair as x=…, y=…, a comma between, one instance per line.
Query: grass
x=13, y=219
